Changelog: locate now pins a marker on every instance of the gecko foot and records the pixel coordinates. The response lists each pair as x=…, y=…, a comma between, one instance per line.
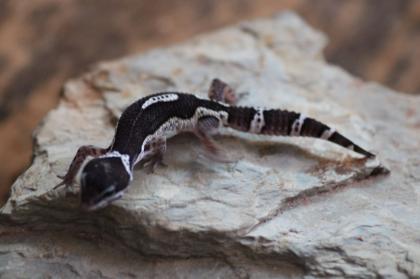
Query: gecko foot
x=152, y=161
x=65, y=182
x=221, y=91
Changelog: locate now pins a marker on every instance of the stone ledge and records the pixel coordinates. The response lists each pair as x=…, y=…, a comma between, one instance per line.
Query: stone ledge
x=287, y=207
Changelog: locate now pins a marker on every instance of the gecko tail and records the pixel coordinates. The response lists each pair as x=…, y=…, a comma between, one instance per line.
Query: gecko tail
x=339, y=139
x=287, y=123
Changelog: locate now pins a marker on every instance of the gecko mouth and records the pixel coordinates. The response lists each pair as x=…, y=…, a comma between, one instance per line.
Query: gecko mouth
x=103, y=200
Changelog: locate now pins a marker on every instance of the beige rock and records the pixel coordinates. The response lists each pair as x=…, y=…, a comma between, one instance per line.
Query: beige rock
x=287, y=207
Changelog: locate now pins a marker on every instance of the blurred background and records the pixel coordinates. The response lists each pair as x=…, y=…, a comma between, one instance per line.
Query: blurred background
x=45, y=42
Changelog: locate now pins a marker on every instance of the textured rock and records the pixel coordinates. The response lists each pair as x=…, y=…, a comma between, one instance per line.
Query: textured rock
x=286, y=208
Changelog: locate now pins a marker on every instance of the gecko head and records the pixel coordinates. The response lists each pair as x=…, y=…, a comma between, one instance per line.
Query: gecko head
x=103, y=181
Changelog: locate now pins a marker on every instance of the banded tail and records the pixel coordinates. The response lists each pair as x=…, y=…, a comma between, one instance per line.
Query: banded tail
x=286, y=123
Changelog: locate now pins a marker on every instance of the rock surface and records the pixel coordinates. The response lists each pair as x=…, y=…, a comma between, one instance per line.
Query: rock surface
x=285, y=208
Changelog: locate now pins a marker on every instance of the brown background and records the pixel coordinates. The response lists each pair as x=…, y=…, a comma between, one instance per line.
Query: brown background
x=45, y=42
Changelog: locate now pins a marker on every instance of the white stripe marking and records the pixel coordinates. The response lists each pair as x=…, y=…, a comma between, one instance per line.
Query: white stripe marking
x=124, y=158
x=327, y=134
x=297, y=125
x=257, y=122
x=160, y=98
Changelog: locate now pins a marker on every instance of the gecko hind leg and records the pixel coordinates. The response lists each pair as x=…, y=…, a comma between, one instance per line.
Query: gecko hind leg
x=220, y=91
x=82, y=153
x=208, y=126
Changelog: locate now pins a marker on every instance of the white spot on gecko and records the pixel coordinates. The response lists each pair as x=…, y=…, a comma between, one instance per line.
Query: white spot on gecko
x=297, y=125
x=160, y=98
x=327, y=134
x=257, y=122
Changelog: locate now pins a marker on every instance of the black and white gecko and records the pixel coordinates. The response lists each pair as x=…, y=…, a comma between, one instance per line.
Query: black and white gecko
x=144, y=127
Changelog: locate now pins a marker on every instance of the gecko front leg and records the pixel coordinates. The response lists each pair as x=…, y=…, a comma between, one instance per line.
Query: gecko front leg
x=153, y=154
x=82, y=153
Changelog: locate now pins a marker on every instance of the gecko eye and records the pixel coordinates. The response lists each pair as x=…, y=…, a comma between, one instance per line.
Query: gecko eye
x=103, y=181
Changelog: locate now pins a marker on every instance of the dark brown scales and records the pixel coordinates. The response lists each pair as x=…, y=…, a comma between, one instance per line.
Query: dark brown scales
x=240, y=118
x=313, y=128
x=278, y=122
